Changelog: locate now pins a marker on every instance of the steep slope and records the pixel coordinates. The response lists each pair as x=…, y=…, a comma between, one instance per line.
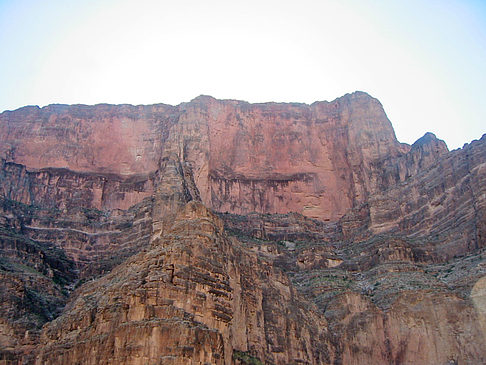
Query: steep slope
x=197, y=296
x=270, y=158
x=54, y=237
x=34, y=276
x=445, y=202
x=279, y=158
x=193, y=297
x=75, y=137
x=332, y=244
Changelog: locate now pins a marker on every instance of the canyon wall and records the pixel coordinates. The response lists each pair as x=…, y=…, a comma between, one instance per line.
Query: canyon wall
x=269, y=158
x=221, y=232
x=76, y=137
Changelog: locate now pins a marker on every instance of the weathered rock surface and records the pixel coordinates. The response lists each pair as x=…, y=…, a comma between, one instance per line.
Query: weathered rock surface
x=196, y=296
x=270, y=158
x=332, y=243
x=65, y=189
x=445, y=201
x=193, y=297
x=75, y=137
x=280, y=158
x=66, y=209
x=33, y=280
x=53, y=236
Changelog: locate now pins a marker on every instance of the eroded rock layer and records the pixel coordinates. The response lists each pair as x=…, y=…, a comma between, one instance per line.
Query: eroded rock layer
x=270, y=158
x=221, y=232
x=193, y=297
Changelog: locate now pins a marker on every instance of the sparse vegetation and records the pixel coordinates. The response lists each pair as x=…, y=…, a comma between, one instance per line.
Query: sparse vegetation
x=246, y=358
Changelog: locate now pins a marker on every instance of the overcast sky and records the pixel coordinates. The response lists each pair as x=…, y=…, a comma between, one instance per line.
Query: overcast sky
x=424, y=60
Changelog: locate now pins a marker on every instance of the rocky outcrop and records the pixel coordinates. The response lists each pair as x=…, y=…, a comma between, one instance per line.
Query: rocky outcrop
x=34, y=279
x=280, y=158
x=219, y=231
x=194, y=297
x=65, y=189
x=71, y=211
x=445, y=201
x=53, y=237
x=75, y=137
x=197, y=296
x=269, y=158
x=419, y=328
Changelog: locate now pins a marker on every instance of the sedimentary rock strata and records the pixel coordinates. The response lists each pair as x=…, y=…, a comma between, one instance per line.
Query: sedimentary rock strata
x=221, y=232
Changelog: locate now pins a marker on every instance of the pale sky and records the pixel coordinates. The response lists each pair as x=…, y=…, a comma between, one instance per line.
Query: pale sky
x=424, y=60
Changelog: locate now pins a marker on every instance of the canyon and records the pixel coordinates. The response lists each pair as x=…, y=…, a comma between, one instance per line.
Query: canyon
x=224, y=232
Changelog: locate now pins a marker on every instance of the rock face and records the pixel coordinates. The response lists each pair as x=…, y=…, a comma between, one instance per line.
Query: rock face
x=223, y=232
x=268, y=158
x=196, y=296
x=75, y=137
x=193, y=297
x=445, y=201
x=274, y=158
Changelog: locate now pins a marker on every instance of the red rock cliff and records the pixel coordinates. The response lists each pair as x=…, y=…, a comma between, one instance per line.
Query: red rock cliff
x=333, y=242
x=269, y=158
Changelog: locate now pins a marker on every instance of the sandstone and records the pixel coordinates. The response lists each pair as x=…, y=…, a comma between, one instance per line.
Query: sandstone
x=223, y=232
x=206, y=302
x=268, y=158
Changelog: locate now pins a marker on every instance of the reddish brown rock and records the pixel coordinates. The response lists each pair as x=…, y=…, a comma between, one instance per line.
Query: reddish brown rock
x=33, y=278
x=75, y=137
x=66, y=189
x=445, y=201
x=279, y=158
x=197, y=297
x=269, y=158
x=339, y=244
x=420, y=328
x=193, y=297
